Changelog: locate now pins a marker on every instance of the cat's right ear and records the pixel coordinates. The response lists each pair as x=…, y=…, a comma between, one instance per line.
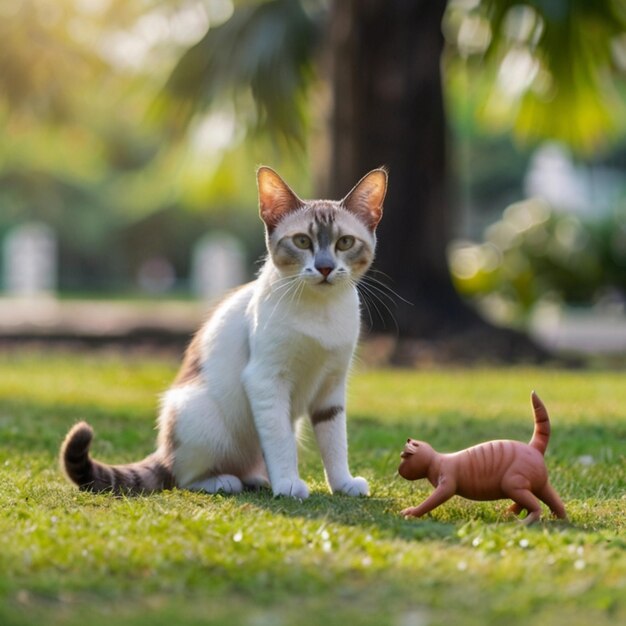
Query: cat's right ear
x=275, y=197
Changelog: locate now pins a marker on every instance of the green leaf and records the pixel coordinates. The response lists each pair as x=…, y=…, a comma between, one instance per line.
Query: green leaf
x=552, y=69
x=265, y=51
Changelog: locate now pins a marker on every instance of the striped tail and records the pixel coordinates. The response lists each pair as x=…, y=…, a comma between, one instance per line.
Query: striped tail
x=541, y=435
x=151, y=474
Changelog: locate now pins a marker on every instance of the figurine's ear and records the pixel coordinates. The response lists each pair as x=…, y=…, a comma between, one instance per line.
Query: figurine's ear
x=366, y=198
x=275, y=197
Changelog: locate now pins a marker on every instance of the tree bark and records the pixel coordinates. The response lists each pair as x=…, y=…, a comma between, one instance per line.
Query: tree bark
x=388, y=110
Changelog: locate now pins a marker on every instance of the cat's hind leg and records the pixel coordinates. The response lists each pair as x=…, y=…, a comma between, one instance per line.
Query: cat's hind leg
x=256, y=478
x=226, y=483
x=199, y=442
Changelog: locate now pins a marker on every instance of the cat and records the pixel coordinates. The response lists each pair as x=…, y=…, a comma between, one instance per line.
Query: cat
x=272, y=351
x=488, y=471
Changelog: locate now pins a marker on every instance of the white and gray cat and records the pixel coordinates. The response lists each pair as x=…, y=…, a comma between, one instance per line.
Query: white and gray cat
x=272, y=351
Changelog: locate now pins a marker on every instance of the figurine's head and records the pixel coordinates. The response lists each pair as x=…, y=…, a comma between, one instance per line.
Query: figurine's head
x=416, y=458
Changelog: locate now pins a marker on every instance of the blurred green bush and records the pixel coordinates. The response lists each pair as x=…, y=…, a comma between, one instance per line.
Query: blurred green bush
x=537, y=253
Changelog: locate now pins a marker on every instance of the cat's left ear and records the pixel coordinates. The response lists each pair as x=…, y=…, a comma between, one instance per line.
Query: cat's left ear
x=366, y=198
x=275, y=197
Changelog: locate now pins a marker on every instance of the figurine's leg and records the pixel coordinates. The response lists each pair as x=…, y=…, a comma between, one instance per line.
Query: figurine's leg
x=551, y=498
x=515, y=509
x=526, y=500
x=437, y=497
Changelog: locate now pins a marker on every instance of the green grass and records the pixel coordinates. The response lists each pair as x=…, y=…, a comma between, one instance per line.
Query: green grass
x=180, y=558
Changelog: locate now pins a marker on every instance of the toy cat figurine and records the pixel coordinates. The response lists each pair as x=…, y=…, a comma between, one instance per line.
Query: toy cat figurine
x=488, y=471
x=272, y=351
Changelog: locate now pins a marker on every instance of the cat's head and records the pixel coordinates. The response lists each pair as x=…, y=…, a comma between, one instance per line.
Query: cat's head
x=322, y=242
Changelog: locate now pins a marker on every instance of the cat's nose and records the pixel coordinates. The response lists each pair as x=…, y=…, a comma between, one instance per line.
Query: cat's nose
x=324, y=270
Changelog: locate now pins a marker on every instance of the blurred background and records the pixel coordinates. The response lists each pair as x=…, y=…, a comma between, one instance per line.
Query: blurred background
x=132, y=130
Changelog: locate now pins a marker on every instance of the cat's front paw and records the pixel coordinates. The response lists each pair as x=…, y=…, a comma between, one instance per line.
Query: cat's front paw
x=355, y=486
x=294, y=488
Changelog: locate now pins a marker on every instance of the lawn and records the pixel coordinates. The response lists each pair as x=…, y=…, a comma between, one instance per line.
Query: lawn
x=180, y=558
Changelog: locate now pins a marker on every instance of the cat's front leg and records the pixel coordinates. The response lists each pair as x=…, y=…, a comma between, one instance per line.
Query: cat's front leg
x=270, y=406
x=328, y=416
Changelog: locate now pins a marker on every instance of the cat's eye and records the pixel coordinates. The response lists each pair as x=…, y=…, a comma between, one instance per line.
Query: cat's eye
x=345, y=242
x=302, y=241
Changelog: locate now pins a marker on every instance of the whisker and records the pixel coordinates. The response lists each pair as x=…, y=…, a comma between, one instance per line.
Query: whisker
x=299, y=292
x=283, y=286
x=355, y=285
x=382, y=292
x=369, y=301
x=282, y=280
x=367, y=292
x=375, y=270
x=377, y=297
x=384, y=286
x=291, y=286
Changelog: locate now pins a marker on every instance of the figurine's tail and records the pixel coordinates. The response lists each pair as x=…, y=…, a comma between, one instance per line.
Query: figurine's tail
x=541, y=435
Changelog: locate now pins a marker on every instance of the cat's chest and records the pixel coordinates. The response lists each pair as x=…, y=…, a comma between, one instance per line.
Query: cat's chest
x=306, y=365
x=322, y=328
x=299, y=344
x=324, y=333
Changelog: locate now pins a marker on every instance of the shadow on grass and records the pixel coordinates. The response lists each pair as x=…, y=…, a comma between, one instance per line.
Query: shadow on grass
x=372, y=513
x=33, y=428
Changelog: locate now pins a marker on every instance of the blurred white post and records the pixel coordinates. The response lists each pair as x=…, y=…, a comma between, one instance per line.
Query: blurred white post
x=30, y=260
x=218, y=264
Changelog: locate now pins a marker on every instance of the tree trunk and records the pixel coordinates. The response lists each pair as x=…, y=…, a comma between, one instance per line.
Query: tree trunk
x=389, y=110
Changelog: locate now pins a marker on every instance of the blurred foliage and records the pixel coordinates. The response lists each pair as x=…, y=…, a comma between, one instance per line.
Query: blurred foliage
x=547, y=69
x=536, y=253
x=80, y=151
x=64, y=158
x=264, y=51
x=544, y=68
x=137, y=120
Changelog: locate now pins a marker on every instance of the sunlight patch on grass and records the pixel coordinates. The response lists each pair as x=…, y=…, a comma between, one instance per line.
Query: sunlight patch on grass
x=189, y=558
